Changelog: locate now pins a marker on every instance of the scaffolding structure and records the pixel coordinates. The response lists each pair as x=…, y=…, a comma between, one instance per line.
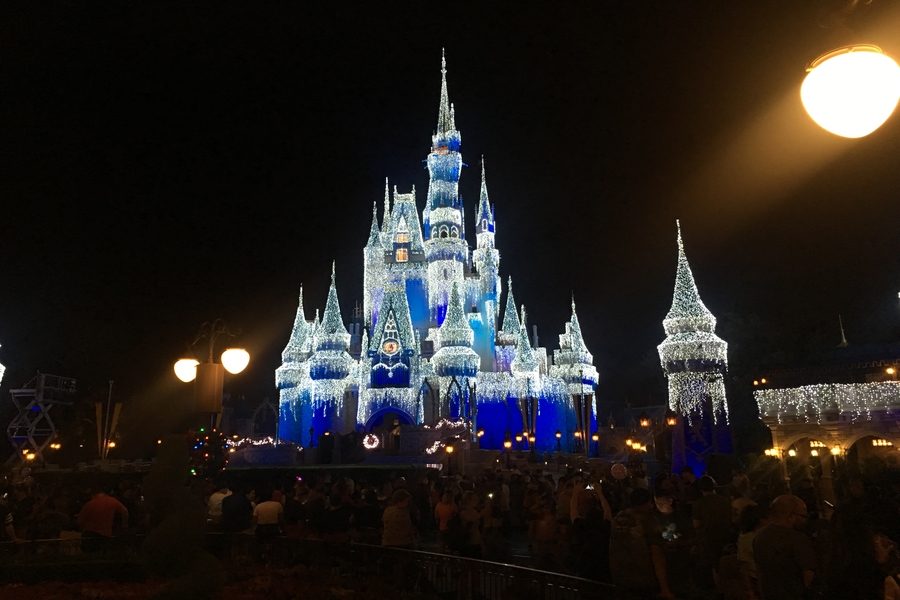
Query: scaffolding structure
x=33, y=429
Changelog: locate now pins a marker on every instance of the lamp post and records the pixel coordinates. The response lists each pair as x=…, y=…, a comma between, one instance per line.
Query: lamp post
x=596, y=439
x=210, y=375
x=449, y=450
x=558, y=440
x=507, y=445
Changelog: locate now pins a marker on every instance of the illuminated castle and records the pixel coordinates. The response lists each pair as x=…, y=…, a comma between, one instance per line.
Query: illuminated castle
x=430, y=342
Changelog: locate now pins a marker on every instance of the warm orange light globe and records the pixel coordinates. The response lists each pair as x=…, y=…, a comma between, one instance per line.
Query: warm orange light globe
x=186, y=369
x=235, y=360
x=851, y=91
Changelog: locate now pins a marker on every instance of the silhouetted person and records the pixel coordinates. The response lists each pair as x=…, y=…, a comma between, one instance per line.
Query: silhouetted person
x=237, y=512
x=785, y=557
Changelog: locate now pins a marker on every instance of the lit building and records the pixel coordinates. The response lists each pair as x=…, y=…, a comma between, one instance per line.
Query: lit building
x=694, y=360
x=432, y=341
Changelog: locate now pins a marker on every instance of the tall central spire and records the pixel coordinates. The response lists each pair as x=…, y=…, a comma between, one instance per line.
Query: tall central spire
x=445, y=109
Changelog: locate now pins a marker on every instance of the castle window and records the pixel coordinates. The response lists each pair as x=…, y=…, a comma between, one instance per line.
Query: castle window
x=444, y=231
x=402, y=237
x=401, y=255
x=454, y=233
x=484, y=224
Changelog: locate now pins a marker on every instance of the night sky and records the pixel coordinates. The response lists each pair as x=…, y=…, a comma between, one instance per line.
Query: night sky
x=165, y=164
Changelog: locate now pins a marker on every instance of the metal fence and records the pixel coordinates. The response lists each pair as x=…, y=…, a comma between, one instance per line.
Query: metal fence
x=416, y=573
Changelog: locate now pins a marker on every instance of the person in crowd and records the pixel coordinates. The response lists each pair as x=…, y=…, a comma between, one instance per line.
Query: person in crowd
x=268, y=516
x=636, y=557
x=753, y=518
x=471, y=517
x=97, y=518
x=237, y=511
x=712, y=520
x=784, y=556
x=9, y=529
x=214, y=504
x=889, y=562
x=398, y=526
x=445, y=510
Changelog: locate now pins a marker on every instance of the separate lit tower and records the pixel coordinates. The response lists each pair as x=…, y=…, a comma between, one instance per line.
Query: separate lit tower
x=445, y=245
x=487, y=264
x=694, y=360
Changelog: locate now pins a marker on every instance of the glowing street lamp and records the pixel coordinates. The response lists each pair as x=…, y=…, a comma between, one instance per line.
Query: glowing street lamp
x=210, y=375
x=851, y=91
x=186, y=369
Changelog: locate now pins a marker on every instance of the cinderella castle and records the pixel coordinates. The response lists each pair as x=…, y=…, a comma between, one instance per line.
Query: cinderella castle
x=431, y=344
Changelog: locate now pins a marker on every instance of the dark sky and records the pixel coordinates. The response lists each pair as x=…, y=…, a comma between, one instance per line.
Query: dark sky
x=164, y=164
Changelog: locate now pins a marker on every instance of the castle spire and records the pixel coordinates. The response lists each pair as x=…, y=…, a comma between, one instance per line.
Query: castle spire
x=455, y=330
x=485, y=214
x=688, y=313
x=374, y=235
x=576, y=339
x=445, y=111
x=511, y=321
x=299, y=341
x=332, y=326
x=386, y=223
x=524, y=359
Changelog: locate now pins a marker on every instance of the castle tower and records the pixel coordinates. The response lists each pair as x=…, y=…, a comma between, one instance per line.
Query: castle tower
x=405, y=257
x=290, y=376
x=330, y=366
x=574, y=364
x=694, y=360
x=373, y=271
x=455, y=362
x=487, y=263
x=445, y=245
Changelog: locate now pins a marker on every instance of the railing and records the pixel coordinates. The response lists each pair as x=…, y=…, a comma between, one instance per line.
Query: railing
x=415, y=572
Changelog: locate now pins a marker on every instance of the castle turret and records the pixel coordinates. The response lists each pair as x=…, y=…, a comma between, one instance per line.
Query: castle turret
x=292, y=373
x=445, y=247
x=455, y=357
x=486, y=259
x=331, y=364
x=573, y=362
x=373, y=272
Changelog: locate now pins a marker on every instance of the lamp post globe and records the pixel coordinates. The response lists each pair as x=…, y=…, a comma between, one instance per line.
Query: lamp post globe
x=851, y=91
x=235, y=360
x=186, y=369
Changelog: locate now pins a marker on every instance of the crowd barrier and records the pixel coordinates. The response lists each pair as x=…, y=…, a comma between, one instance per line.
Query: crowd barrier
x=447, y=576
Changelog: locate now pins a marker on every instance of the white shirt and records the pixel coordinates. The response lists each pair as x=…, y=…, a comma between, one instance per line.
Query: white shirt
x=214, y=506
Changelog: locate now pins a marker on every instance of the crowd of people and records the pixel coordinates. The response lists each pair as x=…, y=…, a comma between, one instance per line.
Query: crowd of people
x=673, y=536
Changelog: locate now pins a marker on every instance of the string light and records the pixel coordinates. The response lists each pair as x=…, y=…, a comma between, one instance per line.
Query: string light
x=810, y=403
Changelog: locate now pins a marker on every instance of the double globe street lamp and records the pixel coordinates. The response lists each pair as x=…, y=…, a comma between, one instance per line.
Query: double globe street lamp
x=210, y=375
